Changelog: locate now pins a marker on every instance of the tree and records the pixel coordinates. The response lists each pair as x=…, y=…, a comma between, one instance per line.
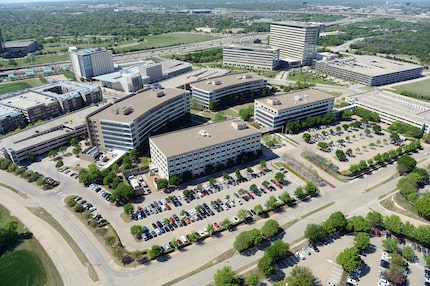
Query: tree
x=265, y=265
x=226, y=223
x=408, y=253
x=128, y=209
x=246, y=113
x=393, y=223
x=336, y=222
x=270, y=228
x=322, y=145
x=136, y=230
x=307, y=137
x=362, y=241
x=210, y=228
x=390, y=244
x=59, y=164
x=62, y=149
x=238, y=174
x=427, y=260
x=376, y=220
x=52, y=154
x=300, y=276
x=174, y=180
x=408, y=162
x=252, y=280
x=314, y=232
x=263, y=165
x=162, y=183
x=154, y=252
x=258, y=209
x=271, y=202
x=286, y=198
x=226, y=277
x=358, y=224
x=73, y=142
x=340, y=155
x=277, y=250
x=422, y=206
x=77, y=150
x=242, y=241
x=279, y=176
x=242, y=214
x=377, y=128
x=349, y=259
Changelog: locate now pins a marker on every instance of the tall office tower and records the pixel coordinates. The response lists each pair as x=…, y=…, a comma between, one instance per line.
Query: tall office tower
x=91, y=62
x=296, y=41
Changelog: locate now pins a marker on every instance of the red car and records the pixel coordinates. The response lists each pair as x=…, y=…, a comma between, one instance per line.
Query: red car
x=217, y=226
x=168, y=207
x=172, y=220
x=250, y=195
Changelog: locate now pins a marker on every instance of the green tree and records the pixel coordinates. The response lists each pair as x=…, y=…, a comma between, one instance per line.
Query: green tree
x=307, y=137
x=393, y=223
x=427, y=260
x=174, y=180
x=226, y=277
x=258, y=209
x=136, y=230
x=335, y=223
x=265, y=265
x=242, y=241
x=242, y=214
x=162, y=183
x=62, y=149
x=277, y=250
x=358, y=224
x=408, y=253
x=314, y=232
x=252, y=280
x=422, y=206
x=280, y=177
x=52, y=154
x=271, y=202
x=270, y=228
x=390, y=245
x=376, y=220
x=300, y=276
x=349, y=259
x=407, y=162
x=59, y=164
x=154, y=252
x=362, y=241
x=128, y=209
x=263, y=165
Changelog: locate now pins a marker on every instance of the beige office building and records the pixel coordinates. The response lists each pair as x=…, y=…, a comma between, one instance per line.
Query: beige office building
x=91, y=62
x=296, y=41
x=276, y=111
x=195, y=148
x=254, y=57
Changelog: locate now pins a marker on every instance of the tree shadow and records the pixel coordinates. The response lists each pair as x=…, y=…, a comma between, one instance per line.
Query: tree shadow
x=278, y=275
x=164, y=258
x=249, y=252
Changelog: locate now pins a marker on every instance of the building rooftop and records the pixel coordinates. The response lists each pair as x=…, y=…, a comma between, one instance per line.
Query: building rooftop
x=294, y=99
x=401, y=106
x=224, y=82
x=371, y=65
x=194, y=76
x=296, y=24
x=252, y=47
x=131, y=107
x=87, y=51
x=63, y=90
x=195, y=138
x=18, y=44
x=8, y=111
x=46, y=131
x=27, y=99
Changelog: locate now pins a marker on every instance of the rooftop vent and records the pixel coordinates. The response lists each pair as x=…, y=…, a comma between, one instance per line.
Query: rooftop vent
x=273, y=101
x=239, y=124
x=244, y=76
x=214, y=82
x=203, y=133
x=125, y=110
x=160, y=93
x=297, y=98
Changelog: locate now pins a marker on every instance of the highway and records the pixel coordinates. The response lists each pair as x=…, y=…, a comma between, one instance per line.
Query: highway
x=346, y=197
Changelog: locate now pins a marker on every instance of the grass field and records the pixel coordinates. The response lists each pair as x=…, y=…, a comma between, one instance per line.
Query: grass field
x=420, y=87
x=304, y=77
x=28, y=264
x=21, y=267
x=18, y=85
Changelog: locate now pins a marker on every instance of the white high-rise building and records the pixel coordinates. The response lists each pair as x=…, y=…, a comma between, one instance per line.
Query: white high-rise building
x=296, y=41
x=91, y=62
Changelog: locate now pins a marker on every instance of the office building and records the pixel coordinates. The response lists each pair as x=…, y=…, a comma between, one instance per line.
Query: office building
x=21, y=47
x=370, y=70
x=42, y=138
x=197, y=147
x=275, y=111
x=296, y=41
x=10, y=119
x=393, y=107
x=127, y=123
x=227, y=90
x=254, y=57
x=89, y=63
x=51, y=100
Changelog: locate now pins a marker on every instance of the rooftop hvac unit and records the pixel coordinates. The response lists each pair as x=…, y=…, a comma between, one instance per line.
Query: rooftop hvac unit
x=160, y=93
x=126, y=110
x=273, y=101
x=204, y=133
x=239, y=124
x=297, y=98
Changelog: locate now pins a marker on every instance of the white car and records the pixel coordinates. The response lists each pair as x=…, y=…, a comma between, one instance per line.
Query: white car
x=300, y=256
x=352, y=281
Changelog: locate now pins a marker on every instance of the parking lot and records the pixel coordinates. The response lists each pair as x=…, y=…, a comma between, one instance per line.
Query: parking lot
x=324, y=267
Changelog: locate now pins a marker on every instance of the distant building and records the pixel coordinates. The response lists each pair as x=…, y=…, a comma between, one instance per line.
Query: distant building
x=21, y=47
x=197, y=147
x=393, y=107
x=51, y=100
x=127, y=123
x=296, y=41
x=206, y=30
x=370, y=70
x=91, y=62
x=256, y=57
x=275, y=111
x=223, y=90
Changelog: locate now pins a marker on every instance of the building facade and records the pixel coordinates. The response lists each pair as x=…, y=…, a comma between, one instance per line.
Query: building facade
x=370, y=70
x=393, y=107
x=296, y=41
x=226, y=90
x=275, y=111
x=197, y=147
x=127, y=123
x=255, y=57
x=10, y=119
x=91, y=62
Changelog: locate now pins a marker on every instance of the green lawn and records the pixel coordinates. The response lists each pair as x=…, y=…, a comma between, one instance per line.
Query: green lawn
x=420, y=87
x=304, y=77
x=18, y=85
x=21, y=267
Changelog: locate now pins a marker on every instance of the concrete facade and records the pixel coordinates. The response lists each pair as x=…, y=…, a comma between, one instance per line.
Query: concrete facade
x=219, y=89
x=256, y=57
x=91, y=62
x=275, y=111
x=197, y=147
x=127, y=123
x=296, y=41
